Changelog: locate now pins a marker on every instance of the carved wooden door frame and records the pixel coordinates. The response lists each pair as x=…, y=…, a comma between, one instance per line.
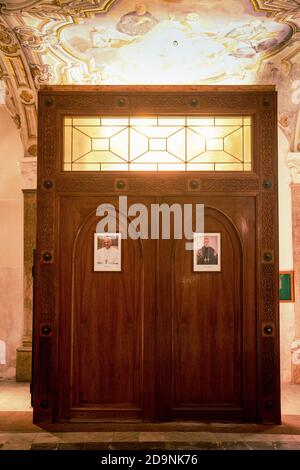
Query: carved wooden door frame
x=257, y=101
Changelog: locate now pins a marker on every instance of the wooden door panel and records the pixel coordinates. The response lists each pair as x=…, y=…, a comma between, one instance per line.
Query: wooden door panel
x=107, y=325
x=211, y=345
x=105, y=317
x=207, y=323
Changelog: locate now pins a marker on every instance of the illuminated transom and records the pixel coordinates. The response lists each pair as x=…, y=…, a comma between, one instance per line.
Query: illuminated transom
x=169, y=143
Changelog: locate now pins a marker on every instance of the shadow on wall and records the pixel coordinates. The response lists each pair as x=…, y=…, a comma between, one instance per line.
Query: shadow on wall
x=2, y=352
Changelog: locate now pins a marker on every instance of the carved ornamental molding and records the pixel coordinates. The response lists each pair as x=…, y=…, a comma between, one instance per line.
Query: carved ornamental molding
x=35, y=55
x=294, y=166
x=28, y=170
x=282, y=10
x=21, y=96
x=57, y=8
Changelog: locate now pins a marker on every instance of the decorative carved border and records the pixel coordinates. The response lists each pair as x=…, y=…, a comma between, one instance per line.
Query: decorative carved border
x=268, y=215
x=171, y=185
x=294, y=166
x=150, y=102
x=21, y=95
x=59, y=8
x=285, y=11
x=268, y=340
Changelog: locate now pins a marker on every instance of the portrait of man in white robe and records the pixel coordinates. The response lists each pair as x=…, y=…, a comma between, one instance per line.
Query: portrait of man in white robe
x=107, y=252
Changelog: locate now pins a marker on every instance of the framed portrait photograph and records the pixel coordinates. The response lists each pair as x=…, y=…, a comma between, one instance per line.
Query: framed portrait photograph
x=286, y=286
x=107, y=252
x=207, y=252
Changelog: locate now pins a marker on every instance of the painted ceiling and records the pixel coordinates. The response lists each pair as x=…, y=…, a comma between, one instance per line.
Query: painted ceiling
x=159, y=42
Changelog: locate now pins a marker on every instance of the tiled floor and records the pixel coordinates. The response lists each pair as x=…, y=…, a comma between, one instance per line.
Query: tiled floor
x=17, y=431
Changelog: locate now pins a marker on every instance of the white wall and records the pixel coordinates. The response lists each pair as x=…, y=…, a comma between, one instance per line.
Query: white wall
x=287, y=319
x=11, y=243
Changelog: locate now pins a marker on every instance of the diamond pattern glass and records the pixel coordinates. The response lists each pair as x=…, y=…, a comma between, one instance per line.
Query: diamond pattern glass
x=168, y=143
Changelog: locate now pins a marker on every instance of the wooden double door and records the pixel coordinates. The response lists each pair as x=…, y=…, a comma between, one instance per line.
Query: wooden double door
x=157, y=340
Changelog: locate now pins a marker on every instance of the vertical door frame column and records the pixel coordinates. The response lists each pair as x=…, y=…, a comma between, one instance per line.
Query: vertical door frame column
x=28, y=169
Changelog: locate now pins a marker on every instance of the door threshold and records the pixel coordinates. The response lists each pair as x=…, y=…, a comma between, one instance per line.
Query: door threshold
x=172, y=426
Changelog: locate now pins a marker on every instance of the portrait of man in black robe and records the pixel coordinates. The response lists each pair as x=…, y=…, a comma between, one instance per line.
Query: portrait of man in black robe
x=207, y=254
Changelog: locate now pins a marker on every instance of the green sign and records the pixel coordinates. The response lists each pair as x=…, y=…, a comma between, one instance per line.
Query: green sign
x=286, y=291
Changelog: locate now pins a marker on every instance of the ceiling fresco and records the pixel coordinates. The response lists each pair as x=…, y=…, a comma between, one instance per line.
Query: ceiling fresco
x=157, y=42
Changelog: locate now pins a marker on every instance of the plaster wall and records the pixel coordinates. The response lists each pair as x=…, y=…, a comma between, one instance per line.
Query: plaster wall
x=11, y=244
x=287, y=319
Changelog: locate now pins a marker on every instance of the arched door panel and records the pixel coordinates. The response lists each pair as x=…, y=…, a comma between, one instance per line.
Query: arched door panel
x=106, y=322
x=209, y=314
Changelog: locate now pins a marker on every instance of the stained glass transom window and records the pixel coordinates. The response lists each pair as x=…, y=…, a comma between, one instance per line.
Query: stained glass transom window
x=157, y=143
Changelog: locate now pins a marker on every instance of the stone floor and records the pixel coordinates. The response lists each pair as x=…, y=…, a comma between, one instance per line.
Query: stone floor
x=18, y=433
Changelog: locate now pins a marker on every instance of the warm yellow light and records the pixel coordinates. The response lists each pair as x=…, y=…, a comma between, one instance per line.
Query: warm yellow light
x=214, y=144
x=169, y=143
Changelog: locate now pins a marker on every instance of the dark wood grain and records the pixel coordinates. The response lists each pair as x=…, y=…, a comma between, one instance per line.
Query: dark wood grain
x=106, y=320
x=208, y=320
x=156, y=88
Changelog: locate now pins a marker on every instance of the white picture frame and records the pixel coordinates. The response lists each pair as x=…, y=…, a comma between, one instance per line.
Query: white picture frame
x=207, y=252
x=107, y=252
